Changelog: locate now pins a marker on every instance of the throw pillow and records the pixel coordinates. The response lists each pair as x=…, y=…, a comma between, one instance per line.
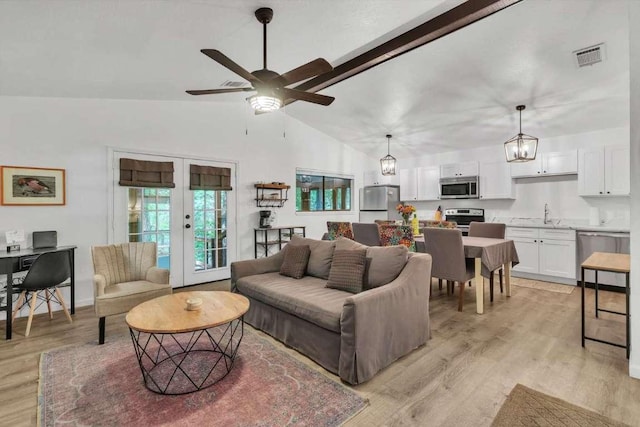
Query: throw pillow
x=386, y=261
x=295, y=261
x=321, y=255
x=347, y=270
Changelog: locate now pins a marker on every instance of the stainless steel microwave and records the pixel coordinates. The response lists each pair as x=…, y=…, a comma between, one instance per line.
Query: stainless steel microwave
x=459, y=188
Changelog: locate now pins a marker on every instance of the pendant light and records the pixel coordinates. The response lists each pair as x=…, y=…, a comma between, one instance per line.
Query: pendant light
x=388, y=162
x=521, y=148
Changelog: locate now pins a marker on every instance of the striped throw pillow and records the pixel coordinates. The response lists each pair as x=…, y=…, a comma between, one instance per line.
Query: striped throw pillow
x=347, y=270
x=295, y=261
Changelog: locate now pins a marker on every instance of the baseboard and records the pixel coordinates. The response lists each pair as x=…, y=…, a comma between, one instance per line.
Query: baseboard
x=553, y=279
x=634, y=371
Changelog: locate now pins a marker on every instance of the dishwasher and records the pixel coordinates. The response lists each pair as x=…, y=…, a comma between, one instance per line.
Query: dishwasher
x=595, y=241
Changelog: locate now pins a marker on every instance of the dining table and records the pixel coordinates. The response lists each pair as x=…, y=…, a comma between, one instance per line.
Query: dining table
x=489, y=254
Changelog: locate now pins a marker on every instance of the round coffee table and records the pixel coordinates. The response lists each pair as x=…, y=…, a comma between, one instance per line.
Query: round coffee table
x=181, y=351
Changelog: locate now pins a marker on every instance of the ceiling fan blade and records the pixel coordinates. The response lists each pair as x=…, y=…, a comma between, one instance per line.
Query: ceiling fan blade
x=223, y=60
x=303, y=72
x=214, y=91
x=307, y=96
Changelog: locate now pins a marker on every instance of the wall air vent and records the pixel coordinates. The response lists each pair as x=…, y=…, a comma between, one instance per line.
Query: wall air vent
x=590, y=55
x=233, y=84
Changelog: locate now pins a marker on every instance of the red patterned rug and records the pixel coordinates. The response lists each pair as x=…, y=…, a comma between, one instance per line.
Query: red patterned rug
x=90, y=385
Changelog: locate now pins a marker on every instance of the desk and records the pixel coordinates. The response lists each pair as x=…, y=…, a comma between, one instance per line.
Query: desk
x=13, y=262
x=615, y=263
x=282, y=238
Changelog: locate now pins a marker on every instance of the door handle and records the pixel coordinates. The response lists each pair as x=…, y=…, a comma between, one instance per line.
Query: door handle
x=187, y=226
x=188, y=216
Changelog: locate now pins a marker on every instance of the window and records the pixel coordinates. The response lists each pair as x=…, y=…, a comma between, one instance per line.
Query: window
x=150, y=219
x=316, y=192
x=210, y=229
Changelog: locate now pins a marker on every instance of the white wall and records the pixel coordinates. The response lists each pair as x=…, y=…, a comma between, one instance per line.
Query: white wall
x=634, y=53
x=74, y=134
x=561, y=193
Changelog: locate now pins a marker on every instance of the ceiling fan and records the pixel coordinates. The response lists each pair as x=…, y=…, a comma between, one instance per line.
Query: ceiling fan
x=270, y=86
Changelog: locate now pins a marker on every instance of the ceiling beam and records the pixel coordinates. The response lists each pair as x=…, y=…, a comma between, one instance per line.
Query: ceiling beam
x=452, y=20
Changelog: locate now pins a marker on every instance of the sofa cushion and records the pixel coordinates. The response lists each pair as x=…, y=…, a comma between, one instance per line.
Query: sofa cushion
x=307, y=298
x=347, y=270
x=321, y=255
x=387, y=262
x=295, y=261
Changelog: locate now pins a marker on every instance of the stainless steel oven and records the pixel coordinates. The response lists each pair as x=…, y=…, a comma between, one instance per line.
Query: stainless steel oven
x=459, y=188
x=464, y=217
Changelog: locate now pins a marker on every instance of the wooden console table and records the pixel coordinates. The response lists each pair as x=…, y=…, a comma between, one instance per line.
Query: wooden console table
x=615, y=263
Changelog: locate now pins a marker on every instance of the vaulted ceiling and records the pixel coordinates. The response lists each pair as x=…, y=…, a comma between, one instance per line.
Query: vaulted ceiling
x=457, y=92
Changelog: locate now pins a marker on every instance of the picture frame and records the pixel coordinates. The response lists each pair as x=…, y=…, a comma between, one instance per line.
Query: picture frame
x=32, y=186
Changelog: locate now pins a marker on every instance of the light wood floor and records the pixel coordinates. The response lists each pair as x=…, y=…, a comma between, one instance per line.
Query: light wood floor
x=460, y=378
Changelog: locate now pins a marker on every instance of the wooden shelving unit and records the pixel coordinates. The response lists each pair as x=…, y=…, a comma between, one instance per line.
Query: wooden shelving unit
x=281, y=192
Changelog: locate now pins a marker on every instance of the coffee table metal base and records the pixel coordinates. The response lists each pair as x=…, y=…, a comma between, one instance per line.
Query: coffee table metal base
x=181, y=363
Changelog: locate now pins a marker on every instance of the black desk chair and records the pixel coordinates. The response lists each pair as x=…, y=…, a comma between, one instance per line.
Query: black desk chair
x=47, y=272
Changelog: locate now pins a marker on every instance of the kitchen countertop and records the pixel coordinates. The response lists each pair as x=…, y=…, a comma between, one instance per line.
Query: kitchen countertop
x=567, y=224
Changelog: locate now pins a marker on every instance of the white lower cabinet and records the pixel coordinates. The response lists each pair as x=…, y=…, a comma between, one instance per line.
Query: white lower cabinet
x=544, y=251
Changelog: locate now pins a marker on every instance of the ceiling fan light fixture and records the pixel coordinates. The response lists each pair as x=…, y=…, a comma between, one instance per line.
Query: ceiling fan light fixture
x=388, y=162
x=522, y=147
x=265, y=103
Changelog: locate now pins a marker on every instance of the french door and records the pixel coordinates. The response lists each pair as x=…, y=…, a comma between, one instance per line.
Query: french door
x=194, y=229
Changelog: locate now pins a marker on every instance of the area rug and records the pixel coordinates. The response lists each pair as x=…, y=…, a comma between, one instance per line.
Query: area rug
x=91, y=385
x=527, y=407
x=543, y=286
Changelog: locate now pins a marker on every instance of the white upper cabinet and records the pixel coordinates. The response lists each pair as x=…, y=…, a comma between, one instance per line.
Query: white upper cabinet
x=495, y=180
x=420, y=183
x=375, y=177
x=428, y=181
x=455, y=170
x=560, y=163
x=408, y=184
x=604, y=171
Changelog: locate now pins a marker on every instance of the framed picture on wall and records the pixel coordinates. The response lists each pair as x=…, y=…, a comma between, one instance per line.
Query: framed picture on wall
x=22, y=186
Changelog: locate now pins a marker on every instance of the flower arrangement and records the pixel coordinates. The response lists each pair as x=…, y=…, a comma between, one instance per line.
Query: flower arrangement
x=405, y=211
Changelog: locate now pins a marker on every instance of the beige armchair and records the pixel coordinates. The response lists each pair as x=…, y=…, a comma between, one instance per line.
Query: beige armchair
x=125, y=275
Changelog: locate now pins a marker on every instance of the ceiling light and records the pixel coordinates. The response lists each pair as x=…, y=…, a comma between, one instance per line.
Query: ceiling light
x=388, y=162
x=521, y=148
x=265, y=103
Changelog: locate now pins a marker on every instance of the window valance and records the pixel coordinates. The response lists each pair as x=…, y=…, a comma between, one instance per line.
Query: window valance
x=209, y=178
x=145, y=173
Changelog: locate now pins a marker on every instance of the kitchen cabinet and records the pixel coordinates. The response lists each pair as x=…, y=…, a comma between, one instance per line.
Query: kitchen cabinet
x=455, y=170
x=545, y=251
x=604, y=171
x=375, y=177
x=420, y=183
x=546, y=164
x=495, y=180
x=408, y=184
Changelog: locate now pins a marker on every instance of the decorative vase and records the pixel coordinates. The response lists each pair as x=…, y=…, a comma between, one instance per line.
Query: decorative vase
x=406, y=220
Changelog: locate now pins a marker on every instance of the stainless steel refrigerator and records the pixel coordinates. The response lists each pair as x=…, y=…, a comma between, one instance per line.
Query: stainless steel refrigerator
x=379, y=202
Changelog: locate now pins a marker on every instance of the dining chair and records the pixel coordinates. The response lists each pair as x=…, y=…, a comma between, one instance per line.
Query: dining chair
x=339, y=229
x=125, y=275
x=448, y=260
x=366, y=233
x=493, y=230
x=391, y=235
x=48, y=271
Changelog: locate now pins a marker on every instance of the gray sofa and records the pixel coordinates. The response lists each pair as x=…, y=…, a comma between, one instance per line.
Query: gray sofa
x=351, y=335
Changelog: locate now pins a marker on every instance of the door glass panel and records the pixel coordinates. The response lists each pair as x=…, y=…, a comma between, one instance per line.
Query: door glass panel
x=150, y=220
x=209, y=222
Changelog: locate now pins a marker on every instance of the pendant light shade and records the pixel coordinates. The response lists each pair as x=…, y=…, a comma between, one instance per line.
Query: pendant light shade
x=388, y=162
x=521, y=148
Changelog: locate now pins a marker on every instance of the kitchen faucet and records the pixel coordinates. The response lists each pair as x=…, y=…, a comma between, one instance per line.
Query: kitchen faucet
x=546, y=214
